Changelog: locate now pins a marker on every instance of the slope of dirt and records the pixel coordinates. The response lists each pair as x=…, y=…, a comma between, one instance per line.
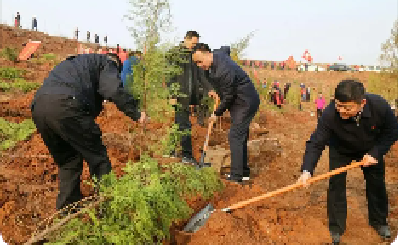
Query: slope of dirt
x=14, y=38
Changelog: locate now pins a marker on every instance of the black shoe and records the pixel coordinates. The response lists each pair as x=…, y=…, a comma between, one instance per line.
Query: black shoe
x=171, y=155
x=235, y=180
x=41, y=241
x=335, y=238
x=383, y=231
x=190, y=160
x=245, y=176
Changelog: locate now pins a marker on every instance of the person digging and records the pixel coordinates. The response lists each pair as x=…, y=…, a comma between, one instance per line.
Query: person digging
x=188, y=82
x=238, y=95
x=356, y=126
x=64, y=110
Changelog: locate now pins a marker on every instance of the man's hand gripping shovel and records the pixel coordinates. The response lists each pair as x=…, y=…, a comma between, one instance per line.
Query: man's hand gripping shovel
x=201, y=217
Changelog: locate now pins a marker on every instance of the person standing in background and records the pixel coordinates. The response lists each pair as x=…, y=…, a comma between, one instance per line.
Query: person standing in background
x=320, y=102
x=18, y=20
x=88, y=36
x=76, y=33
x=34, y=23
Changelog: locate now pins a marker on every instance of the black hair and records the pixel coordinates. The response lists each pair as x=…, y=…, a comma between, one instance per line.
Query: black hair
x=201, y=47
x=350, y=90
x=191, y=34
x=115, y=58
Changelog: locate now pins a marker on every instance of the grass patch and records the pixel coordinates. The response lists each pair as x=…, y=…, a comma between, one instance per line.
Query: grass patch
x=383, y=84
x=12, y=133
x=9, y=54
x=11, y=73
x=19, y=84
x=46, y=58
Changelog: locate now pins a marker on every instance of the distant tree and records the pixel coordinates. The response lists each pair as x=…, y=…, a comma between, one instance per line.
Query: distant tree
x=389, y=48
x=238, y=47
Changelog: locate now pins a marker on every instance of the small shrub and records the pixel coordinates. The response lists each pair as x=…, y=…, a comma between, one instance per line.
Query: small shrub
x=142, y=205
x=12, y=133
x=19, y=84
x=10, y=54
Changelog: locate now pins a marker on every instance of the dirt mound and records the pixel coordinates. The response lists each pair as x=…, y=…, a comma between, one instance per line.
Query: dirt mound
x=12, y=37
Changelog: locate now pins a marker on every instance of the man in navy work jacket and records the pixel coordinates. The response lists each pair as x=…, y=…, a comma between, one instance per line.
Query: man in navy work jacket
x=356, y=126
x=237, y=94
x=64, y=111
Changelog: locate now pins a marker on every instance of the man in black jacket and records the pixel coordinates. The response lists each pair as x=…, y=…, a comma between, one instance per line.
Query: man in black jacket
x=356, y=126
x=64, y=111
x=238, y=95
x=189, y=82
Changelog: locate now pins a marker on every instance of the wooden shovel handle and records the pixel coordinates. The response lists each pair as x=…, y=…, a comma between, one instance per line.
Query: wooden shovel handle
x=210, y=126
x=294, y=186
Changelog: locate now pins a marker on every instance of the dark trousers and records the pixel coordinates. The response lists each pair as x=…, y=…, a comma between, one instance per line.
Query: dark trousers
x=319, y=113
x=202, y=111
x=375, y=187
x=71, y=135
x=242, y=113
x=183, y=120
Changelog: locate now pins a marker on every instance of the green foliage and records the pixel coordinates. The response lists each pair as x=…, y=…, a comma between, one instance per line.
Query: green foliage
x=11, y=73
x=19, y=84
x=238, y=48
x=142, y=205
x=384, y=84
x=390, y=49
x=171, y=140
x=46, y=58
x=9, y=54
x=11, y=133
x=293, y=95
x=49, y=57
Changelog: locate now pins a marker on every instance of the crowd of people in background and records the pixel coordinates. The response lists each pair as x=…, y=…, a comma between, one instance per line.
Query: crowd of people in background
x=278, y=98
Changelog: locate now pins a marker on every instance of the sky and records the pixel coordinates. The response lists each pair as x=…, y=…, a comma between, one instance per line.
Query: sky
x=352, y=29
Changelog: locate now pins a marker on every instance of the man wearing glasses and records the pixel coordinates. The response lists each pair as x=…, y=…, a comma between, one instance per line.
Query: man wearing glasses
x=356, y=126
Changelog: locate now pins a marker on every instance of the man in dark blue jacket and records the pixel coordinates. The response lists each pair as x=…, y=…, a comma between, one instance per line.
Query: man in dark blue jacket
x=64, y=111
x=190, y=86
x=237, y=94
x=356, y=126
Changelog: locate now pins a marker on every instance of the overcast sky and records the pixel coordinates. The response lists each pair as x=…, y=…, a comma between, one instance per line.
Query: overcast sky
x=328, y=29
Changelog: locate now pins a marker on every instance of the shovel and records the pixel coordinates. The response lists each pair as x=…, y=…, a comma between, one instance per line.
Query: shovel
x=205, y=146
x=201, y=217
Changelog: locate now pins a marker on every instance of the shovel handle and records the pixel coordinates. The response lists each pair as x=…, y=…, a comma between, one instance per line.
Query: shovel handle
x=210, y=125
x=294, y=186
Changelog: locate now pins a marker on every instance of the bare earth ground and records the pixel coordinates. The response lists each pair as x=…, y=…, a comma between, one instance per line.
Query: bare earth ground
x=29, y=182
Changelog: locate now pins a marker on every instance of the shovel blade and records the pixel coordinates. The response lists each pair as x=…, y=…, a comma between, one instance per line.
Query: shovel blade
x=199, y=219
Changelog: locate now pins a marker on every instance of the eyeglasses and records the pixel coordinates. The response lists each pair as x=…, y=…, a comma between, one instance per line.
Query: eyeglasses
x=351, y=107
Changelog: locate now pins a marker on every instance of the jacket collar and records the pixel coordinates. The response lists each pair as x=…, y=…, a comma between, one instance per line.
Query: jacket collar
x=366, y=112
x=215, y=63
